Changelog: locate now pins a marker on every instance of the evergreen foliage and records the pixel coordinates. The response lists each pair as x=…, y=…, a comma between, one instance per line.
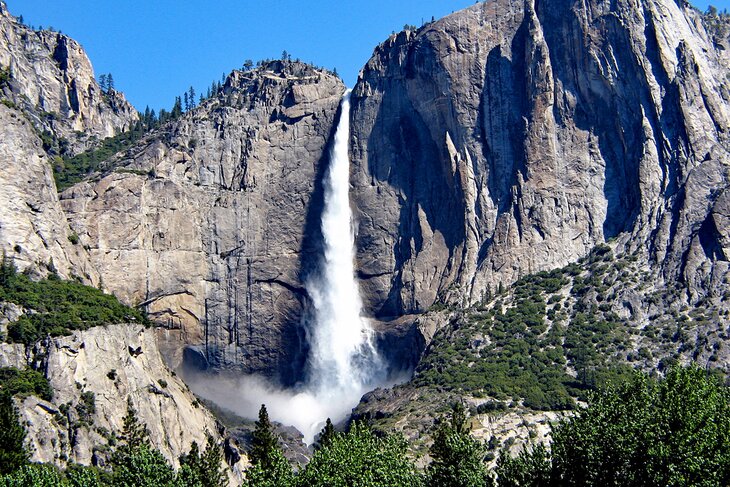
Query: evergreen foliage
x=360, y=458
x=24, y=382
x=645, y=432
x=277, y=473
x=59, y=306
x=13, y=454
x=326, y=435
x=457, y=457
x=203, y=470
x=4, y=76
x=530, y=338
x=142, y=466
x=270, y=468
x=264, y=441
x=35, y=475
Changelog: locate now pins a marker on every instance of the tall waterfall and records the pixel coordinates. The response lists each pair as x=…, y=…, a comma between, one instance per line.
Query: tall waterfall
x=343, y=363
x=342, y=360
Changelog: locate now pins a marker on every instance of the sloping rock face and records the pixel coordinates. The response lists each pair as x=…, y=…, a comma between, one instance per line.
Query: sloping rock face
x=213, y=221
x=93, y=374
x=52, y=80
x=33, y=227
x=49, y=97
x=513, y=136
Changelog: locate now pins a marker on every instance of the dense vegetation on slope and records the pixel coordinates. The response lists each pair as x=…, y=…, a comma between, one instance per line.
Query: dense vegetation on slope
x=70, y=170
x=25, y=382
x=555, y=335
x=57, y=307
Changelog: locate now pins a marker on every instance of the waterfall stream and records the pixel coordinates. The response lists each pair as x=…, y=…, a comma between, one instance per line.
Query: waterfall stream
x=342, y=358
x=343, y=364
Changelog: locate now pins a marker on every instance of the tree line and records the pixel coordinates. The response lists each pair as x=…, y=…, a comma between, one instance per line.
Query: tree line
x=642, y=432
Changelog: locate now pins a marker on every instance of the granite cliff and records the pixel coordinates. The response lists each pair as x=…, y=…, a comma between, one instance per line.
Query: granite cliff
x=51, y=105
x=514, y=136
x=210, y=222
x=508, y=138
x=93, y=375
x=50, y=78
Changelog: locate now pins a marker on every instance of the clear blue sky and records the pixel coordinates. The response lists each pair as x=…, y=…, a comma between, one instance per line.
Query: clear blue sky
x=156, y=49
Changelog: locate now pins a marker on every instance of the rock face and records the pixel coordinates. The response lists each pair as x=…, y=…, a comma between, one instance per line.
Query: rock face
x=33, y=227
x=515, y=135
x=93, y=374
x=508, y=138
x=52, y=80
x=50, y=96
x=212, y=222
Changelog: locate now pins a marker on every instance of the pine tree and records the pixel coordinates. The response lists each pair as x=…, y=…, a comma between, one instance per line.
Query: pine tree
x=191, y=97
x=13, y=454
x=264, y=441
x=326, y=435
x=133, y=433
x=110, y=82
x=212, y=475
x=269, y=467
x=177, y=108
x=186, y=101
x=457, y=457
x=103, y=83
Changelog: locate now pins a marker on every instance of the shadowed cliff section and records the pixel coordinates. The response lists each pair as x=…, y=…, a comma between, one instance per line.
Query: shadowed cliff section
x=513, y=136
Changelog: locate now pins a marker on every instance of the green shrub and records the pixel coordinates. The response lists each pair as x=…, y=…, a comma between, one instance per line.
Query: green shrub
x=59, y=306
x=24, y=382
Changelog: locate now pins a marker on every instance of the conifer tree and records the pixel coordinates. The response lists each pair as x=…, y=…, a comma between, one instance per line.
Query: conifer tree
x=457, y=457
x=361, y=458
x=177, y=108
x=212, y=475
x=326, y=435
x=13, y=454
x=270, y=468
x=133, y=433
x=264, y=441
x=204, y=469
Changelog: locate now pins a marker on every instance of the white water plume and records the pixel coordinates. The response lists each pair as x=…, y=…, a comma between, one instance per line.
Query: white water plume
x=342, y=359
x=343, y=363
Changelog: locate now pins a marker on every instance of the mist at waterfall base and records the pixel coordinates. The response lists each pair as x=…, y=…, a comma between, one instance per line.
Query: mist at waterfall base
x=343, y=363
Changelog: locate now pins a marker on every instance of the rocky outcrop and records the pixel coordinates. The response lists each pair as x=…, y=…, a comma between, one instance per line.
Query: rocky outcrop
x=33, y=228
x=513, y=136
x=51, y=79
x=93, y=374
x=212, y=222
x=49, y=99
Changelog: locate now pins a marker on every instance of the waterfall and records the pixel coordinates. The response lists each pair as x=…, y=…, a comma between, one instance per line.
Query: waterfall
x=343, y=359
x=343, y=363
